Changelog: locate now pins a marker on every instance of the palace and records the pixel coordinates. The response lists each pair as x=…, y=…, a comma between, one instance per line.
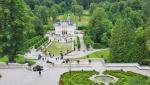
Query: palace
x=65, y=28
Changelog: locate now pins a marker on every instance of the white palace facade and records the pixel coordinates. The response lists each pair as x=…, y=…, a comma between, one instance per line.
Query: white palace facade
x=65, y=28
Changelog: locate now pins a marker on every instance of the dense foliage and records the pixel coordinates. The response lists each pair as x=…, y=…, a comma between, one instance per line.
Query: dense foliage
x=122, y=25
x=17, y=25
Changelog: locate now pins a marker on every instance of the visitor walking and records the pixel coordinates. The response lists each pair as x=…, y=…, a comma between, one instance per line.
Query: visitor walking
x=90, y=61
x=50, y=54
x=78, y=61
x=43, y=59
x=67, y=60
x=40, y=73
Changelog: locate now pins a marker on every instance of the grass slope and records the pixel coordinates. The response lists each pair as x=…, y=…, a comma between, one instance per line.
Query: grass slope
x=99, y=53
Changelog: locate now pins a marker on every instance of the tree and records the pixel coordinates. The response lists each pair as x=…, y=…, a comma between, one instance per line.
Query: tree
x=77, y=10
x=92, y=7
x=85, y=4
x=68, y=4
x=99, y=25
x=147, y=35
x=63, y=7
x=13, y=29
x=74, y=2
x=87, y=41
x=47, y=3
x=42, y=13
x=146, y=7
x=54, y=13
x=32, y=3
x=38, y=25
x=135, y=17
x=122, y=42
x=134, y=4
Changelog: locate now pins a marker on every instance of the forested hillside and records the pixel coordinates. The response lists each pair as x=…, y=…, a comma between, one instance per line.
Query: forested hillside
x=121, y=25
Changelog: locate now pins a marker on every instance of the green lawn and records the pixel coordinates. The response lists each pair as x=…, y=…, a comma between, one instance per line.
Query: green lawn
x=98, y=54
x=78, y=78
x=56, y=47
x=128, y=78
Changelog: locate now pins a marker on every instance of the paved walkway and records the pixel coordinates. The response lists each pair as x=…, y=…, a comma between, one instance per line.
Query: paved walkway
x=82, y=47
x=52, y=74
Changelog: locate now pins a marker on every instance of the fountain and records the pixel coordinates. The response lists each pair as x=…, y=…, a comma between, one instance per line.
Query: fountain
x=106, y=79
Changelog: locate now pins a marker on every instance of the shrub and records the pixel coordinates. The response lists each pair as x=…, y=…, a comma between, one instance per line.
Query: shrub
x=98, y=46
x=78, y=43
x=48, y=27
x=82, y=27
x=20, y=59
x=4, y=59
x=145, y=62
x=30, y=62
x=87, y=41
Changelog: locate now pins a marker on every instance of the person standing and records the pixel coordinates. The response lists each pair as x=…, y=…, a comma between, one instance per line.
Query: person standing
x=43, y=59
x=90, y=61
x=78, y=61
x=40, y=73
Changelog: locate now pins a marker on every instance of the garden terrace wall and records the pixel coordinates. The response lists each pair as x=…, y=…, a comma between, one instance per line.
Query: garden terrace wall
x=13, y=66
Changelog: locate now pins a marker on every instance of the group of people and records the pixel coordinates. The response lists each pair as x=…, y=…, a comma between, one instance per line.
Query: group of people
x=57, y=58
x=78, y=61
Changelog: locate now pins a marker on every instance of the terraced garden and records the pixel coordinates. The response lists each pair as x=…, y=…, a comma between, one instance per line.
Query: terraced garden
x=56, y=47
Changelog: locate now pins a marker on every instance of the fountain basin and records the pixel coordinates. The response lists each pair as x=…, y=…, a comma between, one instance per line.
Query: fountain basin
x=103, y=79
